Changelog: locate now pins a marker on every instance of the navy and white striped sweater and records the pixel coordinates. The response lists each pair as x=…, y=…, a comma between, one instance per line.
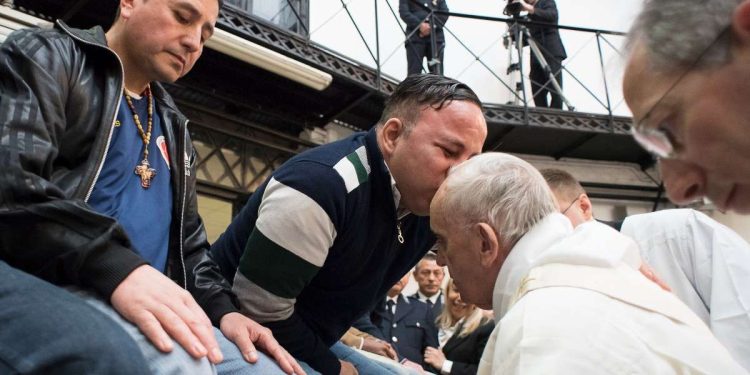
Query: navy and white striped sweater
x=317, y=246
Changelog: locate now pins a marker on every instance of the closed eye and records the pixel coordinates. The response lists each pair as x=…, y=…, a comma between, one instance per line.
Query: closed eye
x=448, y=152
x=181, y=18
x=666, y=128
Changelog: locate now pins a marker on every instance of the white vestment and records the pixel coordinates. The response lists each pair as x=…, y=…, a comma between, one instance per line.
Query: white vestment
x=706, y=264
x=573, y=302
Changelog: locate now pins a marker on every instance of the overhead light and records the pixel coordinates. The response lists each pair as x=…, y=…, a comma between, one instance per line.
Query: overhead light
x=252, y=53
x=12, y=20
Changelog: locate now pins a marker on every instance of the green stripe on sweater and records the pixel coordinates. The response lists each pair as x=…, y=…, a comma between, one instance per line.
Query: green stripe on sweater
x=275, y=268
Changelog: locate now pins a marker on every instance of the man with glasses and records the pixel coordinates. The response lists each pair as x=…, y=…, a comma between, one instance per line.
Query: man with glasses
x=570, y=197
x=687, y=85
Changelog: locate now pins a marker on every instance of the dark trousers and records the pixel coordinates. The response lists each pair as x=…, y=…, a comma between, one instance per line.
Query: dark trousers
x=48, y=330
x=540, y=84
x=417, y=50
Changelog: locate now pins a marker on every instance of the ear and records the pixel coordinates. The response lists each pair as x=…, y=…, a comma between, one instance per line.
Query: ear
x=489, y=251
x=390, y=135
x=741, y=22
x=586, y=207
x=126, y=8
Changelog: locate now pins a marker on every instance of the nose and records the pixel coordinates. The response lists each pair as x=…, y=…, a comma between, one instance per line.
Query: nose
x=684, y=182
x=192, y=40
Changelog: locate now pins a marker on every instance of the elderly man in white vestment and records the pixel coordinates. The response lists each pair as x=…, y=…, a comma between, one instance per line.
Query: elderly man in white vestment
x=706, y=264
x=565, y=302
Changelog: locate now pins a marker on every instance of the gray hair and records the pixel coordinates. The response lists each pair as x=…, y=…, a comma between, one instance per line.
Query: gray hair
x=680, y=33
x=498, y=189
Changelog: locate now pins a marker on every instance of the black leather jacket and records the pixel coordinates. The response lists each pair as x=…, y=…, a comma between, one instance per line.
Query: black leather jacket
x=59, y=95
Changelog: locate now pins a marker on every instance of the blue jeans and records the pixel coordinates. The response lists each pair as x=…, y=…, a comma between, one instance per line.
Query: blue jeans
x=178, y=361
x=46, y=329
x=367, y=366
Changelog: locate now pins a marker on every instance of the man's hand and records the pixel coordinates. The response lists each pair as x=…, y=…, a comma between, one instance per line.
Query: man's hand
x=647, y=271
x=347, y=368
x=413, y=365
x=434, y=357
x=379, y=347
x=424, y=29
x=527, y=7
x=247, y=334
x=161, y=309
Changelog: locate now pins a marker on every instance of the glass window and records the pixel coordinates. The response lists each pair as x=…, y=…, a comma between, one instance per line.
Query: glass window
x=292, y=15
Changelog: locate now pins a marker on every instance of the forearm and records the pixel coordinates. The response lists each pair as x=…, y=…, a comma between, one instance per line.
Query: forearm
x=205, y=280
x=66, y=243
x=210, y=289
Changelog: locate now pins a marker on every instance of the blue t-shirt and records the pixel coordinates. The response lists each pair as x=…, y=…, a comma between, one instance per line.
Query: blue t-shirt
x=146, y=214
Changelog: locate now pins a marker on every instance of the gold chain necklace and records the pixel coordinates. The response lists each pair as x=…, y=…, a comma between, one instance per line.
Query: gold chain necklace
x=144, y=170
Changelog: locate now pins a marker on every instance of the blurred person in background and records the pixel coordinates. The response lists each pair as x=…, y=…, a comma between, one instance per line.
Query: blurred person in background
x=420, y=31
x=553, y=51
x=429, y=277
x=463, y=333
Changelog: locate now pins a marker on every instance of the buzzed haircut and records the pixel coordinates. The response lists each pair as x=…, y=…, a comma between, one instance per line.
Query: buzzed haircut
x=562, y=183
x=117, y=11
x=420, y=90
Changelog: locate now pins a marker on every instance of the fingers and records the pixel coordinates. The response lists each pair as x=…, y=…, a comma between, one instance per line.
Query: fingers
x=647, y=271
x=161, y=310
x=273, y=349
x=178, y=329
x=390, y=352
x=245, y=345
x=295, y=366
x=201, y=326
x=153, y=330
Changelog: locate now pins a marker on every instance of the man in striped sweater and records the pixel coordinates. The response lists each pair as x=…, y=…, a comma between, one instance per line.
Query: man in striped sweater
x=324, y=238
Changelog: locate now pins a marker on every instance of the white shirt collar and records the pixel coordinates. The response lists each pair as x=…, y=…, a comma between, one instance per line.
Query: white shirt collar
x=133, y=95
x=553, y=240
x=400, y=212
x=424, y=298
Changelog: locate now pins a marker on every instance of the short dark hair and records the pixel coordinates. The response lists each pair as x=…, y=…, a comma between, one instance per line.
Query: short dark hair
x=117, y=12
x=562, y=183
x=417, y=91
x=429, y=256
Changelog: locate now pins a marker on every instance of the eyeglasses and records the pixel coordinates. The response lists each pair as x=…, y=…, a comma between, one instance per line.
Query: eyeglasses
x=571, y=204
x=657, y=138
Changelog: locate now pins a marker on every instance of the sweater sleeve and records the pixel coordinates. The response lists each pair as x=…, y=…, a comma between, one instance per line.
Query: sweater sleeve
x=296, y=226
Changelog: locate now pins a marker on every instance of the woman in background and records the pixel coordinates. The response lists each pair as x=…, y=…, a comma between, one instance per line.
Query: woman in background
x=463, y=333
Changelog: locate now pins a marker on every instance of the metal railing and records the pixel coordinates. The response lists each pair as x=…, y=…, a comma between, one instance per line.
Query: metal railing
x=592, y=71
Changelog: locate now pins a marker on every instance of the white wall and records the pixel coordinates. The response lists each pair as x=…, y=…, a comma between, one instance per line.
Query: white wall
x=739, y=223
x=484, y=38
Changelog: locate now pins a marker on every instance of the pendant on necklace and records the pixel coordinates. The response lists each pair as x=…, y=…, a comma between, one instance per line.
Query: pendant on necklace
x=146, y=173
